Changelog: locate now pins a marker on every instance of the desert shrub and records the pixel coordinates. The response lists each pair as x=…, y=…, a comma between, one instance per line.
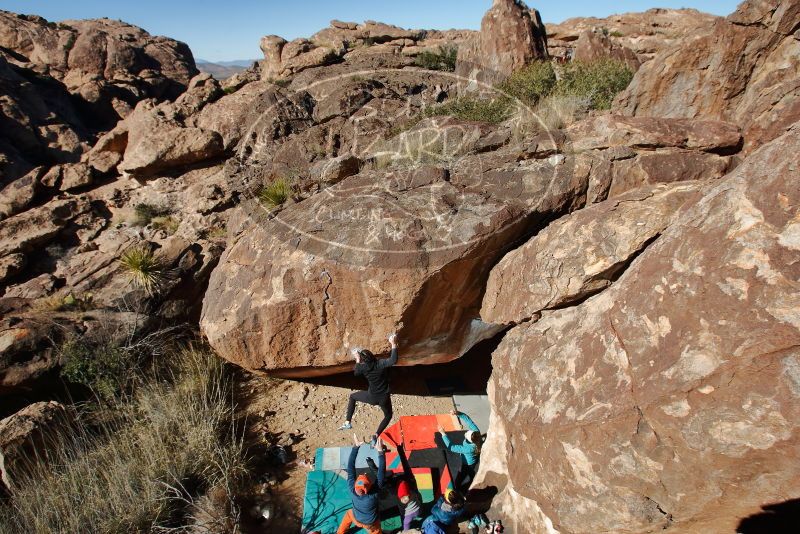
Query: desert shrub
x=106, y=368
x=530, y=84
x=444, y=59
x=140, y=470
x=145, y=269
x=62, y=302
x=230, y=89
x=168, y=224
x=281, y=82
x=600, y=81
x=144, y=213
x=275, y=193
x=493, y=111
x=616, y=33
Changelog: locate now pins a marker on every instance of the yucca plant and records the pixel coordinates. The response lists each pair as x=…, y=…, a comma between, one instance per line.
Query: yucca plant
x=145, y=268
x=276, y=193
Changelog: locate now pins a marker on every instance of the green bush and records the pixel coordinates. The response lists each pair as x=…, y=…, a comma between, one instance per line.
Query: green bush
x=444, y=59
x=600, y=81
x=530, y=84
x=142, y=468
x=275, y=193
x=106, y=368
x=144, y=213
x=145, y=268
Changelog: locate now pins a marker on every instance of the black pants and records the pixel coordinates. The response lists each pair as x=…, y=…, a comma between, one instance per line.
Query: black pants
x=384, y=401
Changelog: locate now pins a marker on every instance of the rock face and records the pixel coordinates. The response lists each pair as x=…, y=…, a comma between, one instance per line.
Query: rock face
x=646, y=33
x=746, y=70
x=580, y=255
x=39, y=123
x=594, y=46
x=28, y=433
x=671, y=398
x=368, y=256
x=108, y=65
x=511, y=36
x=156, y=138
x=622, y=153
x=349, y=41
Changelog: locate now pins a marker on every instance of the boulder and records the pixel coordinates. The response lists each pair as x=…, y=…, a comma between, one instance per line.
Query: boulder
x=36, y=227
x=511, y=36
x=334, y=170
x=271, y=47
x=107, y=64
x=670, y=399
x=157, y=138
x=155, y=152
x=26, y=353
x=26, y=436
x=261, y=109
x=343, y=101
x=403, y=249
x=581, y=254
x=39, y=125
x=646, y=33
x=746, y=70
x=20, y=193
x=594, y=46
x=623, y=153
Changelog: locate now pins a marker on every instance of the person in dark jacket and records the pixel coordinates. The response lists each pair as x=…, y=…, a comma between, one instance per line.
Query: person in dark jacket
x=365, y=495
x=377, y=374
x=447, y=511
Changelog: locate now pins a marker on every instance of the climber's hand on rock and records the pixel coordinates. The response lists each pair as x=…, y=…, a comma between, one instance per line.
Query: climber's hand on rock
x=356, y=441
x=393, y=340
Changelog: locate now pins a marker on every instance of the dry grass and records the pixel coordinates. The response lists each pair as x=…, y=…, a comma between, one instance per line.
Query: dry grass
x=551, y=113
x=141, y=470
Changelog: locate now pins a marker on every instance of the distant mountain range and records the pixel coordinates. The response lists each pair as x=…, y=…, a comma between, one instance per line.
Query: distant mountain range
x=223, y=69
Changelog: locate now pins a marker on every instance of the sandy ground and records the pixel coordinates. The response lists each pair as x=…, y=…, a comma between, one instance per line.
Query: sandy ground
x=310, y=412
x=313, y=412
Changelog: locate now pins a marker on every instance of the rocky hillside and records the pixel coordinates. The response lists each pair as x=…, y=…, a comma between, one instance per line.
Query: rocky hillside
x=637, y=266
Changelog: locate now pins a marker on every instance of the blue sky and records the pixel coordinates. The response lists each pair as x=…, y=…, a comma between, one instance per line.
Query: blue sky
x=230, y=29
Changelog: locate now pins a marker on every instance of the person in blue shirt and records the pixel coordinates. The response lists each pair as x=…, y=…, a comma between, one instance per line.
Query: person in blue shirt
x=447, y=511
x=469, y=452
x=365, y=496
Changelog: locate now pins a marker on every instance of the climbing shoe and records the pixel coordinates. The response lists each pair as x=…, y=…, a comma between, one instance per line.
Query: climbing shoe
x=345, y=426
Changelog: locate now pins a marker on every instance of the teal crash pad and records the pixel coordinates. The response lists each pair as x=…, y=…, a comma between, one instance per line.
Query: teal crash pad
x=327, y=499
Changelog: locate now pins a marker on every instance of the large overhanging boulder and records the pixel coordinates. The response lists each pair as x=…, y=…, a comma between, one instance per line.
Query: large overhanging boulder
x=404, y=249
x=672, y=398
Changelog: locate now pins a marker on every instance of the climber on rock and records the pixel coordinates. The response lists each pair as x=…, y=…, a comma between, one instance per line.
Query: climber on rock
x=364, y=494
x=377, y=374
x=464, y=467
